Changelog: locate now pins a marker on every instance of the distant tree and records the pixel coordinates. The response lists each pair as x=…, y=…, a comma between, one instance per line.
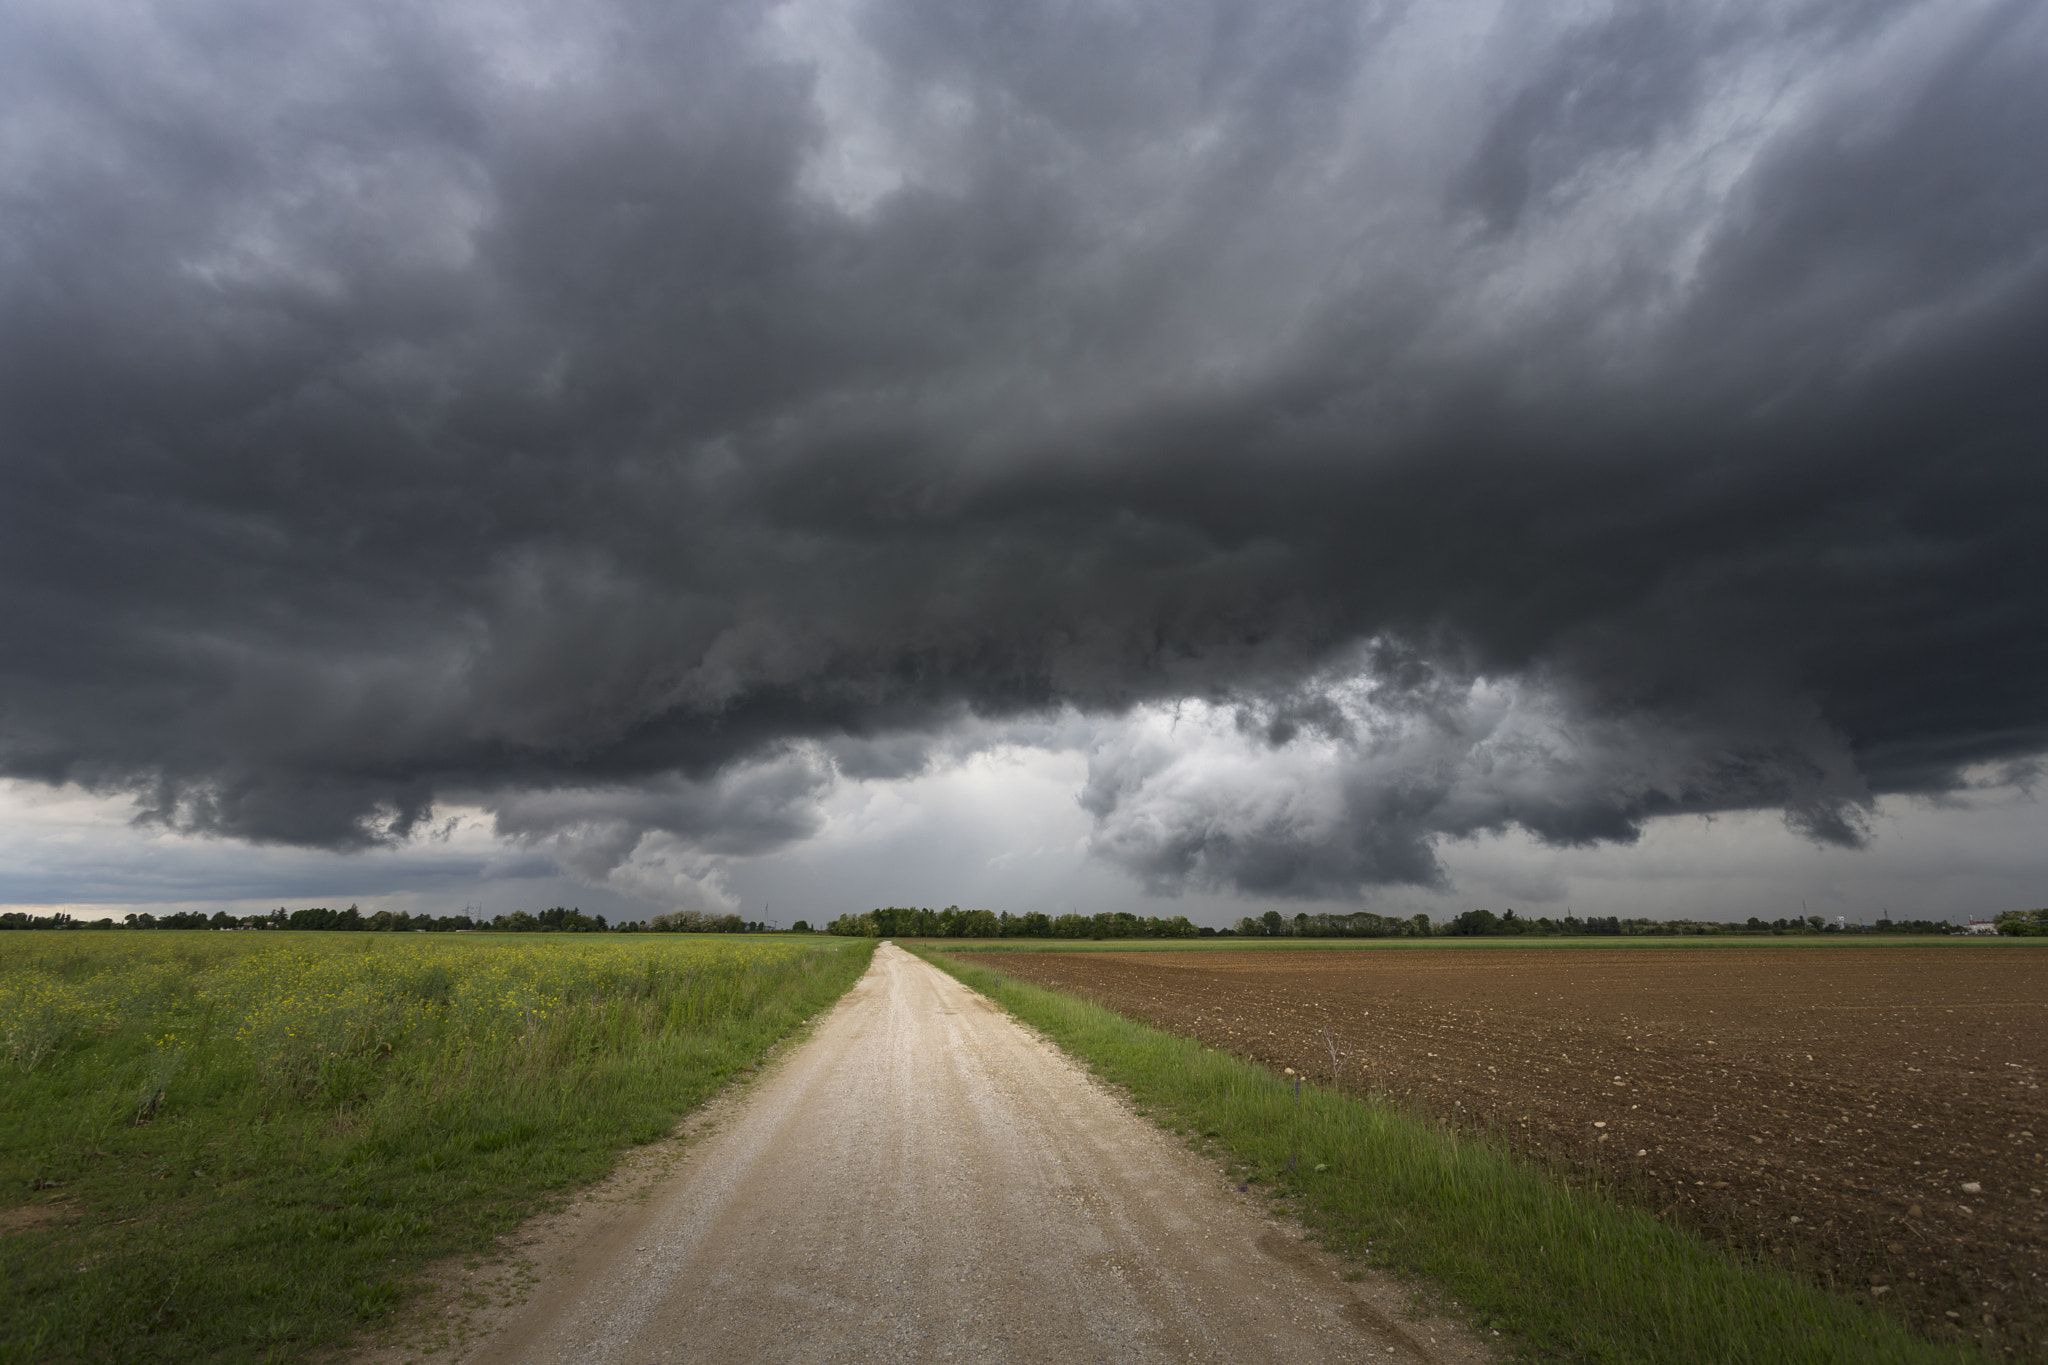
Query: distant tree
x=17, y=919
x=561, y=920
x=978, y=924
x=1358, y=924
x=2023, y=923
x=1117, y=924
x=802, y=926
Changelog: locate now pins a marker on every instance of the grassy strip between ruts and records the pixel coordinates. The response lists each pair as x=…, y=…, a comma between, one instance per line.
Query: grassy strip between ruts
x=247, y=1147
x=1564, y=1272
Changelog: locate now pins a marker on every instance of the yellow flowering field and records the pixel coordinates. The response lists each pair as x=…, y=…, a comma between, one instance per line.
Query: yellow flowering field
x=297, y=1004
x=224, y=1146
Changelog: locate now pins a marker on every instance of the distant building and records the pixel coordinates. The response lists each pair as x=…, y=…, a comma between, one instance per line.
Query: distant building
x=1982, y=926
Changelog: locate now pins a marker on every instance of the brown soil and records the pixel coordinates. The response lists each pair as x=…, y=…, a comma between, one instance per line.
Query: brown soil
x=1824, y=1108
x=22, y=1217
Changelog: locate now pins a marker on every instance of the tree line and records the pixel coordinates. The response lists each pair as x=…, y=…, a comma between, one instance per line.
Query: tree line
x=1360, y=924
x=899, y=921
x=314, y=917
x=697, y=922
x=953, y=922
x=555, y=920
x=1486, y=923
x=2024, y=923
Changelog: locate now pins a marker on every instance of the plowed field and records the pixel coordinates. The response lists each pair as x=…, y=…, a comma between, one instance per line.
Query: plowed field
x=1870, y=1117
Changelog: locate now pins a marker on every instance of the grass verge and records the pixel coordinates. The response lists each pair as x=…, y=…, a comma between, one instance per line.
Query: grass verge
x=1568, y=1273
x=246, y=1147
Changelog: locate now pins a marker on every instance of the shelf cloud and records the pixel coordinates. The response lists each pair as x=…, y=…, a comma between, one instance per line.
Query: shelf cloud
x=1354, y=426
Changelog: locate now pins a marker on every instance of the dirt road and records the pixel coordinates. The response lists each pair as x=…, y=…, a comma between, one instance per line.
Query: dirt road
x=923, y=1180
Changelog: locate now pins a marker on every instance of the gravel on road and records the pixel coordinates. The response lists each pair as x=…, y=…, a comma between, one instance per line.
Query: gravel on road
x=923, y=1179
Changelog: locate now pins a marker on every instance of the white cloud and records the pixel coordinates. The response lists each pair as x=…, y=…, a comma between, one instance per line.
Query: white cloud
x=1001, y=825
x=64, y=848
x=878, y=133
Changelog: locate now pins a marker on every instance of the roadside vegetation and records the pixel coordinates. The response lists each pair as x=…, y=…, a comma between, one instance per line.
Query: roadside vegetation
x=1567, y=1271
x=246, y=1146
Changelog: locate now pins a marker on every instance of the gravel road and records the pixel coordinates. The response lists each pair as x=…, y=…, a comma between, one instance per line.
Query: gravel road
x=924, y=1180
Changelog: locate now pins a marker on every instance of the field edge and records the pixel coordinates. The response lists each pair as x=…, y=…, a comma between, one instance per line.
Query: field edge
x=1562, y=1271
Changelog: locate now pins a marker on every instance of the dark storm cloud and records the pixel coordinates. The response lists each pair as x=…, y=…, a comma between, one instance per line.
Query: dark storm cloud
x=545, y=401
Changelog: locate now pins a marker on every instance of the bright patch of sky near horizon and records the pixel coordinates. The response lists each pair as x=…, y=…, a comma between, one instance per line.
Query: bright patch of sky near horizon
x=1006, y=831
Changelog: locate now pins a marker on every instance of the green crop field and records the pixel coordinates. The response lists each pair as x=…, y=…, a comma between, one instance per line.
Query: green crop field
x=247, y=1146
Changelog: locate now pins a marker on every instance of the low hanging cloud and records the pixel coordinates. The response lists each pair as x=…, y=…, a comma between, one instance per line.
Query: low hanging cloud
x=1355, y=784
x=670, y=841
x=604, y=412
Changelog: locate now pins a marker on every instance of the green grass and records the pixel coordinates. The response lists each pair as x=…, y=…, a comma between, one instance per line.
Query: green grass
x=256, y=1142
x=1566, y=1273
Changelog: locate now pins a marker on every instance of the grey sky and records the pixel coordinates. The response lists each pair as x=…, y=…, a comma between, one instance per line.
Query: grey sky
x=1324, y=441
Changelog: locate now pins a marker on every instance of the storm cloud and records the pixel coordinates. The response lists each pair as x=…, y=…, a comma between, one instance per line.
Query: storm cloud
x=1380, y=423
